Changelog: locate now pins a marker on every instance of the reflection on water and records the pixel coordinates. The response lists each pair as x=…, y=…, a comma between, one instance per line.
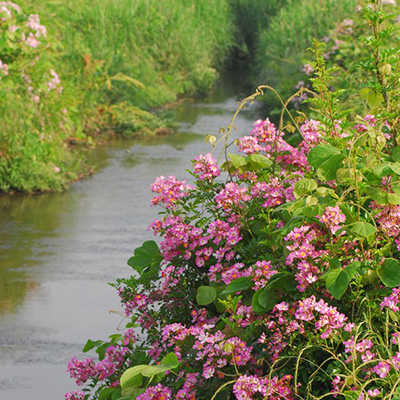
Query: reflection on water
x=57, y=251
x=25, y=221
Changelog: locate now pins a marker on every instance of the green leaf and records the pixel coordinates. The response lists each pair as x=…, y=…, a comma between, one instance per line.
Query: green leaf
x=338, y=278
x=363, y=229
x=304, y=186
x=255, y=304
x=311, y=201
x=351, y=395
x=132, y=376
x=282, y=281
x=90, y=344
x=237, y=161
x=268, y=298
x=393, y=198
x=389, y=272
x=395, y=185
x=106, y=393
x=117, y=395
x=238, y=285
x=327, y=170
x=396, y=168
x=259, y=161
x=147, y=254
x=396, y=153
x=170, y=361
x=206, y=295
x=343, y=174
x=377, y=195
x=320, y=154
x=373, y=97
x=326, y=159
x=134, y=394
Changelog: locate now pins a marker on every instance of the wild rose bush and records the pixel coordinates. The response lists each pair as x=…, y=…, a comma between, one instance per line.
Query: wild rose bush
x=277, y=272
x=274, y=283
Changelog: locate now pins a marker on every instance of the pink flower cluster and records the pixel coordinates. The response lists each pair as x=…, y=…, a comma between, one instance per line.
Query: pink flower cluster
x=169, y=191
x=362, y=349
x=370, y=120
x=54, y=83
x=332, y=218
x=273, y=388
x=266, y=139
x=392, y=301
x=39, y=30
x=7, y=8
x=304, y=256
x=274, y=192
x=188, y=391
x=75, y=395
x=87, y=369
x=213, y=350
x=34, y=24
x=235, y=271
x=158, y=392
x=263, y=270
x=284, y=320
x=388, y=218
x=3, y=68
x=328, y=318
x=206, y=168
x=232, y=196
x=312, y=133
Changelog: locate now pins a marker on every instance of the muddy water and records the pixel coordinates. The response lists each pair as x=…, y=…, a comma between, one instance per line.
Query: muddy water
x=58, y=251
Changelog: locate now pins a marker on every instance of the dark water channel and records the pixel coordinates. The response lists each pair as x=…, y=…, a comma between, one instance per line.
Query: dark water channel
x=58, y=251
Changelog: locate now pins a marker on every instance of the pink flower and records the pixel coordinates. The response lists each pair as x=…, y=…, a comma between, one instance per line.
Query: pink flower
x=3, y=68
x=307, y=69
x=381, y=369
x=206, y=167
x=332, y=218
x=169, y=191
x=31, y=41
x=158, y=392
x=75, y=395
x=374, y=393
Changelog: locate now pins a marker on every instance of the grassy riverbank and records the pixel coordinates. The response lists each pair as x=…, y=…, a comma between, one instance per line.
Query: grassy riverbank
x=109, y=65
x=115, y=62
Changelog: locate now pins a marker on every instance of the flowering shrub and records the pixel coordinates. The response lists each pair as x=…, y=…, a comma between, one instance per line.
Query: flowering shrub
x=277, y=274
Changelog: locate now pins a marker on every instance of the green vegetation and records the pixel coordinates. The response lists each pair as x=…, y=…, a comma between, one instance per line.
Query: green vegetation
x=72, y=72
x=114, y=62
x=282, y=45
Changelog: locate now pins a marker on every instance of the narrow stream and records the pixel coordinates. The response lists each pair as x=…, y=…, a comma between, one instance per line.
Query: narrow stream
x=58, y=251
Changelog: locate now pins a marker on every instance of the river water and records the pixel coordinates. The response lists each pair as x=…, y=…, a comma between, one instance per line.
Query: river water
x=58, y=251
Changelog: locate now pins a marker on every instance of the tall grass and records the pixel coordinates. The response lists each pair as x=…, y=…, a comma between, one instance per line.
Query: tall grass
x=282, y=45
x=250, y=18
x=167, y=47
x=117, y=60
